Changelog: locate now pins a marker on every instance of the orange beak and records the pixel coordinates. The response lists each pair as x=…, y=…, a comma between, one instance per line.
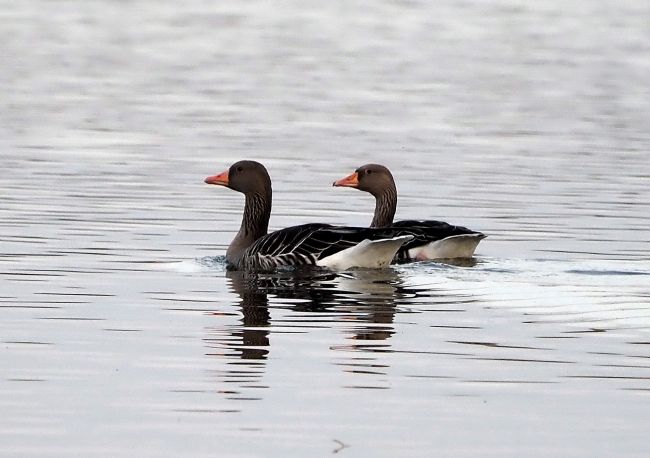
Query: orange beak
x=351, y=181
x=221, y=179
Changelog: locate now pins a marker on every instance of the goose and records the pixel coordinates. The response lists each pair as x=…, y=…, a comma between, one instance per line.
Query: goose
x=434, y=239
x=315, y=244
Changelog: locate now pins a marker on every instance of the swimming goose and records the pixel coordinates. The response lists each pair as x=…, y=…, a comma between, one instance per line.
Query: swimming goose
x=435, y=239
x=324, y=245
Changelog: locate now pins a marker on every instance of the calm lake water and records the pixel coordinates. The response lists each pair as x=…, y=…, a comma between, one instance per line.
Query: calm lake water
x=121, y=334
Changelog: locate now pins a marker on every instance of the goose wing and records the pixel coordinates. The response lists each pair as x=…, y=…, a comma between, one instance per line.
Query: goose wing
x=308, y=243
x=433, y=228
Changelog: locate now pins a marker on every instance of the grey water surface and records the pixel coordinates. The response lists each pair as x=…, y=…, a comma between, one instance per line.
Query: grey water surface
x=121, y=333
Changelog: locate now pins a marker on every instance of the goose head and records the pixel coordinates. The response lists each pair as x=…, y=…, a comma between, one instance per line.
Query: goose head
x=378, y=181
x=372, y=178
x=247, y=177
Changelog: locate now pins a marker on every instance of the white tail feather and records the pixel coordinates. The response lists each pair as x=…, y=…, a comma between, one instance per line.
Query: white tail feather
x=371, y=254
x=455, y=246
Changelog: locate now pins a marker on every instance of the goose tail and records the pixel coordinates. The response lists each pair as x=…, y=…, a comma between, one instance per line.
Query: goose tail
x=455, y=246
x=371, y=254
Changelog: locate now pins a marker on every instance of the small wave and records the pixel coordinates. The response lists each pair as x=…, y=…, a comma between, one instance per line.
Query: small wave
x=212, y=262
x=606, y=272
x=204, y=264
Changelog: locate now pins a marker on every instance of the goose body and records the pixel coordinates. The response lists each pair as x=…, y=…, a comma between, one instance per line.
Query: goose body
x=315, y=244
x=431, y=239
x=323, y=245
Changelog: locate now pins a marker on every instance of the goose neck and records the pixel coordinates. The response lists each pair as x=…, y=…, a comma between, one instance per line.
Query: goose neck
x=385, y=206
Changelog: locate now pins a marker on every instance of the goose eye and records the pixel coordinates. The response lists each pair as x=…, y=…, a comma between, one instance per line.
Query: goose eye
x=239, y=169
x=368, y=172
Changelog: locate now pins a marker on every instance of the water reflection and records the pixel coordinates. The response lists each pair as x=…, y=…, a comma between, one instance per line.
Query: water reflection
x=375, y=296
x=364, y=302
x=365, y=299
x=254, y=332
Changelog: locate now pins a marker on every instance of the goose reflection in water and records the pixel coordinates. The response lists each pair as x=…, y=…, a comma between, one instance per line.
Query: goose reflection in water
x=373, y=296
x=363, y=300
